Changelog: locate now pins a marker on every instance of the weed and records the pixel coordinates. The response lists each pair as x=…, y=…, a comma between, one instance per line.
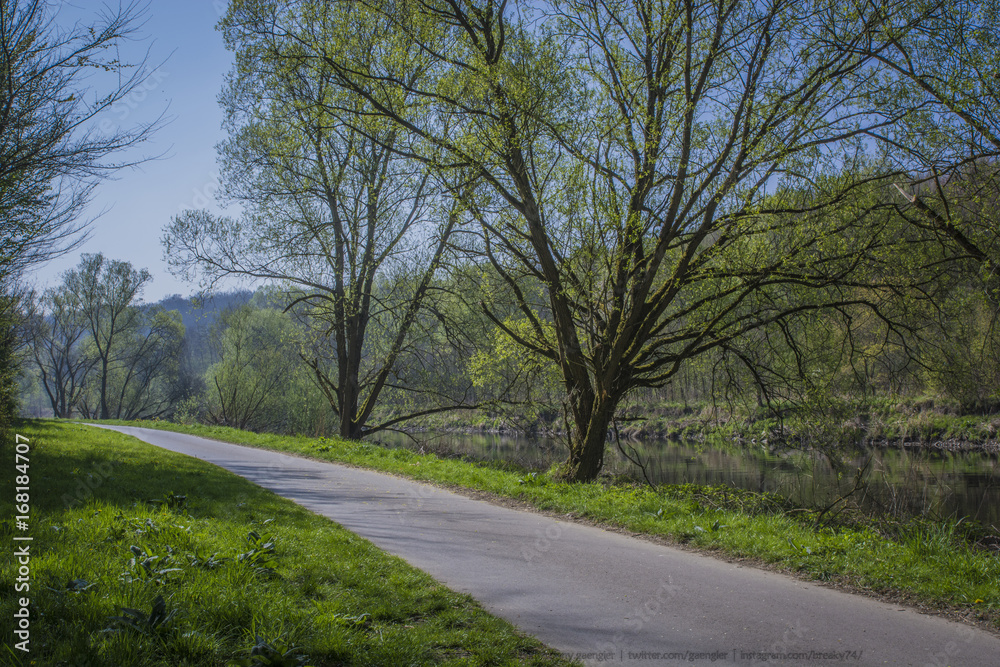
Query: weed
x=145, y=566
x=273, y=653
x=171, y=500
x=212, y=562
x=533, y=479
x=261, y=557
x=74, y=586
x=154, y=625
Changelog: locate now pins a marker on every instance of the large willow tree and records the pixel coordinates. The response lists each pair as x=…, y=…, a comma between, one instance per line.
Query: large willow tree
x=676, y=176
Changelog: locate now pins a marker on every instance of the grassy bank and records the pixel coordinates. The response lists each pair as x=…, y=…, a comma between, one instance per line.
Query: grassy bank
x=144, y=557
x=928, y=564
x=920, y=422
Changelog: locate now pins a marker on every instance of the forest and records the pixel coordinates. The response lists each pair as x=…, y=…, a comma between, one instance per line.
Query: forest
x=567, y=217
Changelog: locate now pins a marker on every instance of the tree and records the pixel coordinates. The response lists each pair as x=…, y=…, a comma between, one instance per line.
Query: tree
x=57, y=333
x=145, y=383
x=947, y=77
x=664, y=170
x=9, y=363
x=53, y=151
x=945, y=73
x=133, y=345
x=106, y=291
x=335, y=212
x=257, y=350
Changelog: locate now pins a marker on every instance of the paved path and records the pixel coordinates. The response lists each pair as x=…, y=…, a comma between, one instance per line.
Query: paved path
x=599, y=594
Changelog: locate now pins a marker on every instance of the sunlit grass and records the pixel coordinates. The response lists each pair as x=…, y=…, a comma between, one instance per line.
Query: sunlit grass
x=120, y=525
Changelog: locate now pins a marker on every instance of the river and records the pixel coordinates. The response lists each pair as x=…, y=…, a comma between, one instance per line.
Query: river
x=926, y=482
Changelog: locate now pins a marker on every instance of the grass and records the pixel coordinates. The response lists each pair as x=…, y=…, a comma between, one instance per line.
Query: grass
x=143, y=557
x=925, y=563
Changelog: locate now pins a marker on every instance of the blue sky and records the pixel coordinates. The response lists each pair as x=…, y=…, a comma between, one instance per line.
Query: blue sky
x=139, y=202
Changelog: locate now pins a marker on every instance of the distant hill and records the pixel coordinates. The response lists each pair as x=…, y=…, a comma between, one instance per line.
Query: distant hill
x=198, y=315
x=201, y=312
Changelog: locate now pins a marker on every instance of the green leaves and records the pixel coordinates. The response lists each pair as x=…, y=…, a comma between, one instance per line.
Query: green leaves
x=155, y=624
x=146, y=566
x=272, y=653
x=171, y=501
x=649, y=184
x=261, y=557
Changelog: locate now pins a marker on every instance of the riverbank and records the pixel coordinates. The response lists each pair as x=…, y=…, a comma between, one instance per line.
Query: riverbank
x=904, y=424
x=946, y=567
x=146, y=558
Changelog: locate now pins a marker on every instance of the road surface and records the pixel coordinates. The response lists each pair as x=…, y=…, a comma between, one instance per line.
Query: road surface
x=598, y=595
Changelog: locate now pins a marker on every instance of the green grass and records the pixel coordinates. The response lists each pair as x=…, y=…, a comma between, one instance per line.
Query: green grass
x=145, y=557
x=922, y=562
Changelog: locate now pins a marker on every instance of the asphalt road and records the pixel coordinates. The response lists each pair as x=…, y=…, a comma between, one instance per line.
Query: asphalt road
x=604, y=597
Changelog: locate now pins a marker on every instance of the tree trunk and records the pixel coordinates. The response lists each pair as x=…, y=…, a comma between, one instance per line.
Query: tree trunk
x=589, y=439
x=350, y=392
x=104, y=389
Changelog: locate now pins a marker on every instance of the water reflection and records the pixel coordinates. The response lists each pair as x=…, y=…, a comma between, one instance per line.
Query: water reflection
x=934, y=483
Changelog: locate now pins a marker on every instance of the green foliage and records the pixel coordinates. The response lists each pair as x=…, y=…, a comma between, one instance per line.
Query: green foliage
x=261, y=556
x=99, y=351
x=273, y=653
x=248, y=387
x=171, y=500
x=641, y=253
x=155, y=624
x=150, y=567
x=503, y=368
x=353, y=229
x=963, y=361
x=590, y=229
x=9, y=362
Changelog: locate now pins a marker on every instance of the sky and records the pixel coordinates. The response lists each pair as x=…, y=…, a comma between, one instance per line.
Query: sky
x=133, y=209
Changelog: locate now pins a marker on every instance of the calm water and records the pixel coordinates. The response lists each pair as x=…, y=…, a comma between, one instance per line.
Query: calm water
x=938, y=484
